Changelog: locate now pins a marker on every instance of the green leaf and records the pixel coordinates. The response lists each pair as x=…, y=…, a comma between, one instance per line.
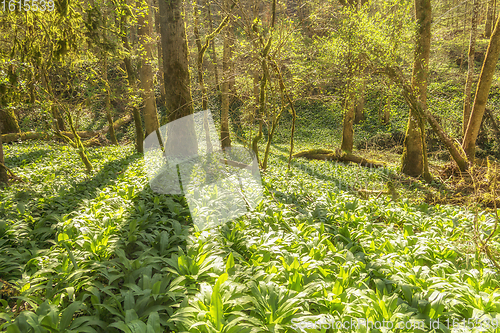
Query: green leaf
x=62, y=237
x=154, y=323
x=67, y=315
x=216, y=306
x=229, y=262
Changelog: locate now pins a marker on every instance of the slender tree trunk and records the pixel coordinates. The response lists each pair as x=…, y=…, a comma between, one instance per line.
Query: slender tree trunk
x=54, y=109
x=146, y=73
x=159, y=55
x=107, y=98
x=349, y=114
x=263, y=82
x=360, y=102
x=482, y=92
x=488, y=26
x=178, y=101
x=4, y=179
x=212, y=47
x=386, y=116
x=413, y=151
x=226, y=58
x=411, y=97
x=107, y=106
x=139, y=134
x=470, y=65
x=199, y=59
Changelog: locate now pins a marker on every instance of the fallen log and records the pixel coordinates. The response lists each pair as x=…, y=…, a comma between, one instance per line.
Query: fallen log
x=49, y=136
x=338, y=155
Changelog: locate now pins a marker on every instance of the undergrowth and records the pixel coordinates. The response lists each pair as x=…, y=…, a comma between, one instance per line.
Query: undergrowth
x=103, y=253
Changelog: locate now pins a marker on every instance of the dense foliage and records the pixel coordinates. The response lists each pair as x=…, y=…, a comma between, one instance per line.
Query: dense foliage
x=102, y=252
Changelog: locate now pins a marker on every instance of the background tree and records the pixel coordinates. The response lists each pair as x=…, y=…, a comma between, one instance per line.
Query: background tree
x=144, y=22
x=414, y=158
x=470, y=65
x=178, y=100
x=4, y=179
x=482, y=92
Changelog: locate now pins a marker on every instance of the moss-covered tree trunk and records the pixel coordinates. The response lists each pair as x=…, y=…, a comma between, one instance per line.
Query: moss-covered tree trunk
x=144, y=21
x=59, y=121
x=482, y=92
x=413, y=159
x=9, y=120
x=470, y=65
x=178, y=100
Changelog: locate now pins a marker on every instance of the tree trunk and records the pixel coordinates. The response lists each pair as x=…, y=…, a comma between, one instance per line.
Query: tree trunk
x=199, y=58
x=159, y=55
x=488, y=26
x=349, y=114
x=386, y=117
x=411, y=98
x=226, y=58
x=212, y=47
x=49, y=136
x=340, y=156
x=482, y=92
x=494, y=125
x=9, y=120
x=146, y=73
x=107, y=106
x=54, y=109
x=131, y=77
x=4, y=179
x=360, y=102
x=470, y=65
x=413, y=157
x=178, y=100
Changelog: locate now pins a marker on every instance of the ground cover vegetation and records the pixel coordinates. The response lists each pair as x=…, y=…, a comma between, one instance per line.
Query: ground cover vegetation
x=375, y=126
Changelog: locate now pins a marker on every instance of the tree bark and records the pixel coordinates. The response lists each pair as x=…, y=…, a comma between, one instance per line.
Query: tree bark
x=226, y=58
x=159, y=55
x=494, y=125
x=488, y=26
x=54, y=109
x=341, y=156
x=360, y=102
x=131, y=77
x=212, y=47
x=482, y=92
x=146, y=72
x=107, y=106
x=411, y=98
x=107, y=97
x=470, y=65
x=9, y=120
x=178, y=100
x=4, y=179
x=50, y=136
x=412, y=160
x=349, y=114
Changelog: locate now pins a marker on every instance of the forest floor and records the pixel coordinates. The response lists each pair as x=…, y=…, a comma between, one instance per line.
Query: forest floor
x=104, y=253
